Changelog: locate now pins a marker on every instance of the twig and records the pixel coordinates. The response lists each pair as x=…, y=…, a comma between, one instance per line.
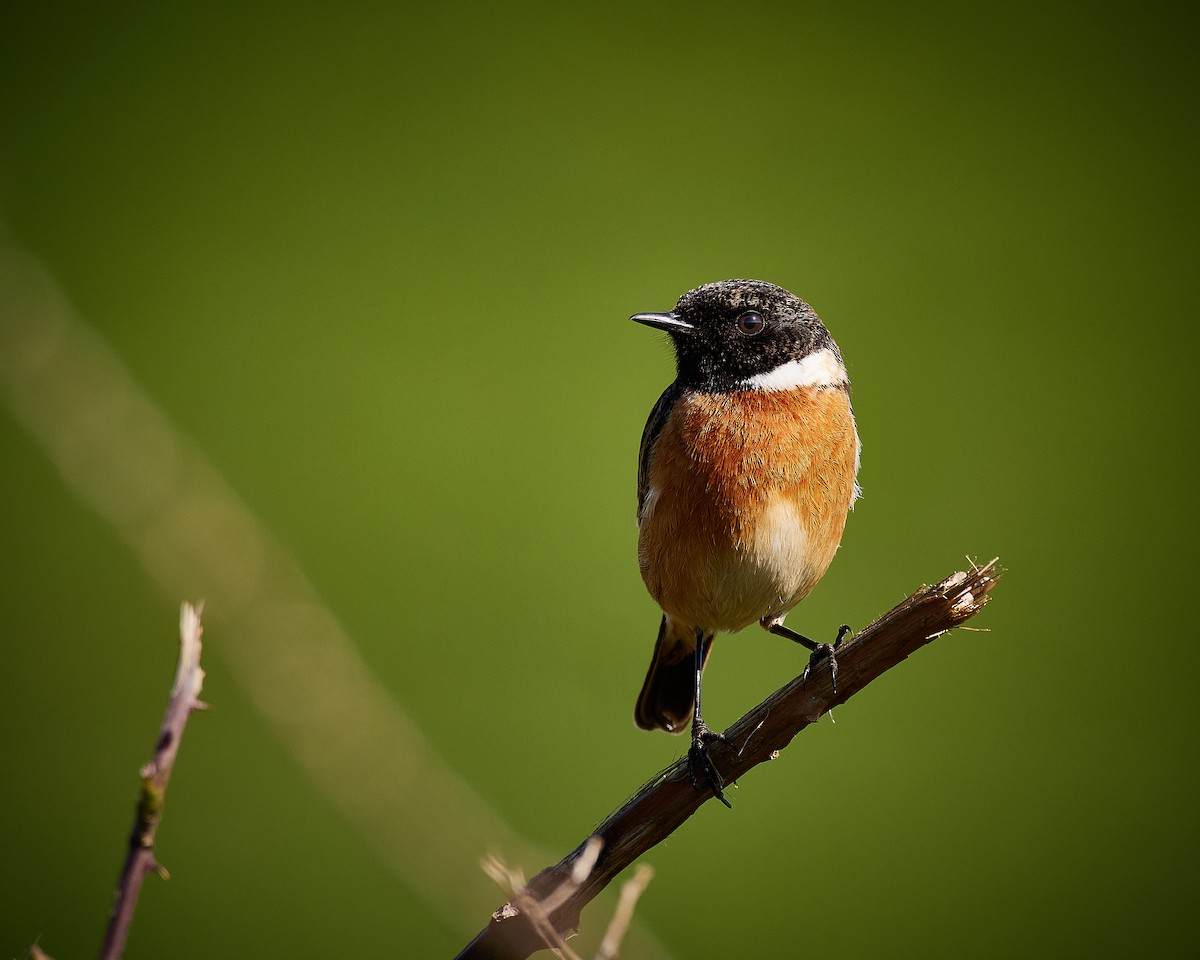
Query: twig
x=618, y=926
x=539, y=911
x=140, y=859
x=664, y=803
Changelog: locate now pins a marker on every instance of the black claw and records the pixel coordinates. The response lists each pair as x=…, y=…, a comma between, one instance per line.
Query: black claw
x=819, y=650
x=699, y=760
x=824, y=650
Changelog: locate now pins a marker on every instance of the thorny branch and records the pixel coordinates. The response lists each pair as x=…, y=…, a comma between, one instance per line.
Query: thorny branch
x=662, y=805
x=140, y=859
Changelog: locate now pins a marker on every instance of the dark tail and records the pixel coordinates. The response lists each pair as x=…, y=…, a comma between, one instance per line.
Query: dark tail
x=668, y=695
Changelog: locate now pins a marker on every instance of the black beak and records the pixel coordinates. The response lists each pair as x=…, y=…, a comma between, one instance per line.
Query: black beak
x=671, y=322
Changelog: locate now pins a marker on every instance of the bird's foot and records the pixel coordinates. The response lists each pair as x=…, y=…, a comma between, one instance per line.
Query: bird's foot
x=822, y=651
x=699, y=762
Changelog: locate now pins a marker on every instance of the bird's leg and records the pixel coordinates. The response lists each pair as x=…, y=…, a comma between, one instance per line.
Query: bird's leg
x=702, y=736
x=819, y=649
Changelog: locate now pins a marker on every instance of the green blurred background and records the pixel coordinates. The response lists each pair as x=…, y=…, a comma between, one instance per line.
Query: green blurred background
x=376, y=262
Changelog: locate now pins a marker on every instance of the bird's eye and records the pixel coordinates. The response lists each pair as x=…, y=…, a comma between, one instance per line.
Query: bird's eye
x=750, y=323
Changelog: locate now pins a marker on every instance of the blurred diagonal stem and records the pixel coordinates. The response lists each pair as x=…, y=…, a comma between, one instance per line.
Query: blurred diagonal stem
x=140, y=859
x=161, y=496
x=663, y=804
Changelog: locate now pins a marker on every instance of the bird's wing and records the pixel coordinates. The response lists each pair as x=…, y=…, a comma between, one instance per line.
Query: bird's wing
x=654, y=425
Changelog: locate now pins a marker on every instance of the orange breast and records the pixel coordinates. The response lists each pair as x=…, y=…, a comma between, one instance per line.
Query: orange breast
x=746, y=502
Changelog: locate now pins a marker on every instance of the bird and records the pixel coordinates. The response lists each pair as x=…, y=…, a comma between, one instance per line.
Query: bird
x=747, y=471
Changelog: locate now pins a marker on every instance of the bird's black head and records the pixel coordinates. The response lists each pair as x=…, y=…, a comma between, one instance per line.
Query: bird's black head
x=747, y=334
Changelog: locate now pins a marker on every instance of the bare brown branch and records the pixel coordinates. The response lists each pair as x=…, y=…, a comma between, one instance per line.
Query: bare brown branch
x=663, y=804
x=140, y=859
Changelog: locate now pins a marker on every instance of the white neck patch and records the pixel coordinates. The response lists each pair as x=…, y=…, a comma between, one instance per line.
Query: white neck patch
x=820, y=369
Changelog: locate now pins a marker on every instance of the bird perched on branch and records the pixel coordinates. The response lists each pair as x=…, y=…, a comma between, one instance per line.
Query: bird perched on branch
x=746, y=473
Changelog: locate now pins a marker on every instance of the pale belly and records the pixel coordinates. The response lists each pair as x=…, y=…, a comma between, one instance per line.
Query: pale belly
x=725, y=583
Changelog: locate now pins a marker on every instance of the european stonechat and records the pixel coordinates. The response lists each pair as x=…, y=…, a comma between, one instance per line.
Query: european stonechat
x=747, y=470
